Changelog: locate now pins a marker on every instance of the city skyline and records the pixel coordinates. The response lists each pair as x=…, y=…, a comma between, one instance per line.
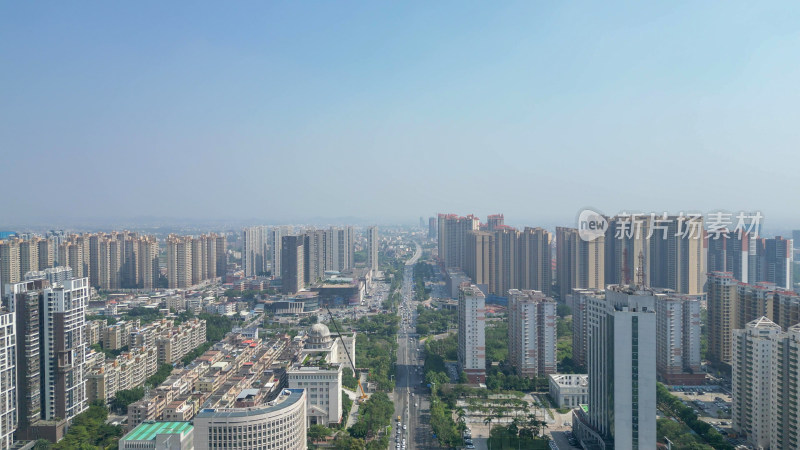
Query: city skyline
x=400, y=108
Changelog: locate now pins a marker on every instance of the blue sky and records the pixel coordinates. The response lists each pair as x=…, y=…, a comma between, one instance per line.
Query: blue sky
x=390, y=111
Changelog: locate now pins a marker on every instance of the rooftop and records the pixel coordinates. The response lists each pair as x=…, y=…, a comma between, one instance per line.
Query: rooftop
x=147, y=431
x=286, y=399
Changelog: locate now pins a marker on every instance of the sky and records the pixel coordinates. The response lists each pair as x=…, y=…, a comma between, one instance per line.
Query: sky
x=387, y=111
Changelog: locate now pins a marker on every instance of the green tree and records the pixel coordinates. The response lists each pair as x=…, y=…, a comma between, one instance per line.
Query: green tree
x=318, y=432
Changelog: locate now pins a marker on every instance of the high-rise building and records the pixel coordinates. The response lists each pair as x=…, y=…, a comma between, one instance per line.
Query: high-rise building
x=148, y=268
x=63, y=348
x=753, y=301
x=9, y=262
x=785, y=308
x=785, y=392
x=293, y=265
x=495, y=221
x=254, y=252
x=729, y=252
x=579, y=263
x=531, y=332
x=179, y=261
x=577, y=302
x=372, y=248
x=341, y=249
x=8, y=381
x=472, y=333
x=722, y=315
x=622, y=372
x=678, y=358
x=279, y=425
x=480, y=258
x=28, y=256
x=432, y=228
x=535, y=260
x=506, y=274
x=314, y=251
x=751, y=387
x=778, y=261
x=731, y=305
x=221, y=243
x=46, y=253
x=24, y=299
x=676, y=256
x=453, y=237
x=274, y=244
x=199, y=260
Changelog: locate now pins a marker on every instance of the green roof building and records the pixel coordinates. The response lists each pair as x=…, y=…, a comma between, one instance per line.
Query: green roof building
x=158, y=436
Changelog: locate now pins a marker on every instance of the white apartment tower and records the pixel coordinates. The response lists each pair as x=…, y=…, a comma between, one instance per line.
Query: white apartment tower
x=372, y=249
x=751, y=388
x=63, y=348
x=678, y=340
x=622, y=371
x=8, y=378
x=472, y=333
x=531, y=332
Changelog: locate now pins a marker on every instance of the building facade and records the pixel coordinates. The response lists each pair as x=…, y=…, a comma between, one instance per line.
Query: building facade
x=531, y=333
x=472, y=333
x=751, y=387
x=8, y=380
x=678, y=325
x=569, y=390
x=372, y=248
x=622, y=371
x=278, y=426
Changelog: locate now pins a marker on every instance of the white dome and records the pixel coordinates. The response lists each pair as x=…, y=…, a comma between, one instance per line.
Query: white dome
x=319, y=330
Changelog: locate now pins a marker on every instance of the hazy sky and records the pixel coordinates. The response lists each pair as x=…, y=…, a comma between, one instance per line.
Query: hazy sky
x=284, y=111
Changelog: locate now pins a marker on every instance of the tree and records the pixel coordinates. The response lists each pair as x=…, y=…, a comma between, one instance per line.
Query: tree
x=318, y=432
x=345, y=442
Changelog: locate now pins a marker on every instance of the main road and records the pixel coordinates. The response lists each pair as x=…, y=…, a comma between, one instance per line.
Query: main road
x=409, y=368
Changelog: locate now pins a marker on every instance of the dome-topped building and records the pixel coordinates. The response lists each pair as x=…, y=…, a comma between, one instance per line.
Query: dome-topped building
x=319, y=337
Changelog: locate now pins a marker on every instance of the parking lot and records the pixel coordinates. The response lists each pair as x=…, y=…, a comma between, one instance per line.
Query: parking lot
x=712, y=404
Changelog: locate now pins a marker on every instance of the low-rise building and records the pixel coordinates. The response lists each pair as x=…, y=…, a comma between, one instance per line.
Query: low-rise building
x=159, y=435
x=569, y=390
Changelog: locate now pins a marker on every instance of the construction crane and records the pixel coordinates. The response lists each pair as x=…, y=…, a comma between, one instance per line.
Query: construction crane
x=347, y=352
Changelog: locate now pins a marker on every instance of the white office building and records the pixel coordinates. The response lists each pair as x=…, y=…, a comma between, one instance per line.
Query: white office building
x=569, y=390
x=323, y=386
x=622, y=371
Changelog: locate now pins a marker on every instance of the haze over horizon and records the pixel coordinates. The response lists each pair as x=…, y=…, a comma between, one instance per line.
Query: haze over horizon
x=386, y=112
